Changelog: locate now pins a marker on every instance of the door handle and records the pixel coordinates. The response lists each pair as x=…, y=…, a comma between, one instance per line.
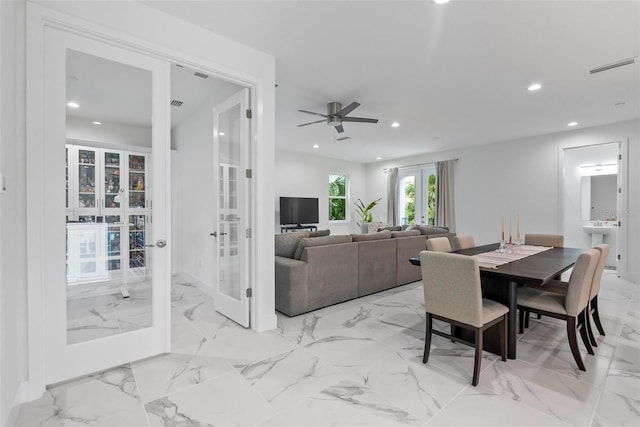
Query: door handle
x=160, y=243
x=215, y=234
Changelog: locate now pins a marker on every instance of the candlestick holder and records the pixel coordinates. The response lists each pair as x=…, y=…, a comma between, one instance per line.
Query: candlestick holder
x=503, y=246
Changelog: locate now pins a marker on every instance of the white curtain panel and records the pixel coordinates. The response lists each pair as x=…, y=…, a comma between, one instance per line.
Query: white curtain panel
x=392, y=196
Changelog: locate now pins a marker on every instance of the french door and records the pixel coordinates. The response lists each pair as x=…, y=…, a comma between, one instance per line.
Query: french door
x=416, y=196
x=232, y=174
x=105, y=304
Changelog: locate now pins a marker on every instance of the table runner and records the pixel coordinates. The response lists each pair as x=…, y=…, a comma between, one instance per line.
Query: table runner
x=494, y=258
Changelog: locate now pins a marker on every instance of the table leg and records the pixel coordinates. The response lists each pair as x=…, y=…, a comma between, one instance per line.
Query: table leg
x=512, y=303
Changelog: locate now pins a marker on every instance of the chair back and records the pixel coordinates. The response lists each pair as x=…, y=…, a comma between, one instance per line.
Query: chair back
x=555, y=240
x=463, y=242
x=597, y=276
x=439, y=244
x=579, y=287
x=452, y=286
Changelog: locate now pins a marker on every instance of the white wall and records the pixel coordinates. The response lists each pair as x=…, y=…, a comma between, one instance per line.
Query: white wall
x=299, y=175
x=193, y=200
x=522, y=177
x=13, y=324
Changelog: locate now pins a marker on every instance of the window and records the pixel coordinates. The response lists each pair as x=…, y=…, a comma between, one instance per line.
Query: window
x=417, y=196
x=337, y=197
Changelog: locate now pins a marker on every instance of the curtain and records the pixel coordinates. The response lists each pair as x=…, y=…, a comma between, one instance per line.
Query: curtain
x=445, y=195
x=392, y=196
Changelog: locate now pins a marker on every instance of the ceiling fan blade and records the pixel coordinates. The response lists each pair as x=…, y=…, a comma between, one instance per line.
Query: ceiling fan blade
x=339, y=129
x=359, y=119
x=311, y=112
x=310, y=123
x=346, y=110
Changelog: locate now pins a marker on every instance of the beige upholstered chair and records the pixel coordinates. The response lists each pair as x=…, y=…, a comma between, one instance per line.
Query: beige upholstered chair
x=559, y=287
x=555, y=240
x=571, y=307
x=463, y=242
x=439, y=244
x=452, y=294
x=595, y=289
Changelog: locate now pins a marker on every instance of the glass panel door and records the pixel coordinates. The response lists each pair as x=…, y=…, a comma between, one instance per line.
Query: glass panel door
x=110, y=303
x=231, y=139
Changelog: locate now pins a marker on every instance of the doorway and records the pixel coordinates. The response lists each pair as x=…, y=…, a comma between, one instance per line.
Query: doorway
x=594, y=194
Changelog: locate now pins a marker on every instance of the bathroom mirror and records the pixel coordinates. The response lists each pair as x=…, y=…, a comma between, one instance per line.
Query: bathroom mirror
x=599, y=197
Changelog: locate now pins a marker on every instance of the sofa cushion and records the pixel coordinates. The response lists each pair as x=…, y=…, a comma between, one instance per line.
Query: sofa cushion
x=407, y=233
x=319, y=241
x=287, y=243
x=385, y=234
x=430, y=229
x=396, y=228
x=320, y=233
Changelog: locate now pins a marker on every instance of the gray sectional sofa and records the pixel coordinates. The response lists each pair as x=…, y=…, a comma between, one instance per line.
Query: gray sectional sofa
x=315, y=272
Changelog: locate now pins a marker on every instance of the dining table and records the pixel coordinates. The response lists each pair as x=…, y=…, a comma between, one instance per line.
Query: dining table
x=500, y=283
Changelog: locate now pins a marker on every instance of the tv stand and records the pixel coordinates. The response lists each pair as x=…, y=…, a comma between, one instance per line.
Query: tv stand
x=288, y=228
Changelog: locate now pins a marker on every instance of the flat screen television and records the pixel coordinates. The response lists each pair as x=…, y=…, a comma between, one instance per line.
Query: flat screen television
x=298, y=210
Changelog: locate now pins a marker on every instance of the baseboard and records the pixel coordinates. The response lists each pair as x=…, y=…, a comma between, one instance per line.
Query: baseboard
x=633, y=276
x=203, y=286
x=26, y=392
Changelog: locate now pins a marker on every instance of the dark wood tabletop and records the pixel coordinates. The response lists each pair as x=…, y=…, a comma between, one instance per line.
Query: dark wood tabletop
x=538, y=268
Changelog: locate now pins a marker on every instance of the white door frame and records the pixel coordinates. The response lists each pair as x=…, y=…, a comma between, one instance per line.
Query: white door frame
x=240, y=64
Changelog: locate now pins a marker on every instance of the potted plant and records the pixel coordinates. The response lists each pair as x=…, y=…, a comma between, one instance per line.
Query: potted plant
x=365, y=213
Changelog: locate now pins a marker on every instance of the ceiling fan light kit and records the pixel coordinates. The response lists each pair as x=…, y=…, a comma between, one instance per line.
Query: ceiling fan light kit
x=336, y=115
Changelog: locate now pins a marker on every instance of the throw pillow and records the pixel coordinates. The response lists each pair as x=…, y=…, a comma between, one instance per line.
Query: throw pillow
x=319, y=241
x=287, y=243
x=320, y=233
x=396, y=228
x=430, y=229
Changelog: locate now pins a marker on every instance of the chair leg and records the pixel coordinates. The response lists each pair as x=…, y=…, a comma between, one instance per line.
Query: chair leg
x=527, y=314
x=573, y=342
x=478, y=359
x=427, y=339
x=521, y=322
x=503, y=338
x=587, y=323
x=583, y=331
x=596, y=315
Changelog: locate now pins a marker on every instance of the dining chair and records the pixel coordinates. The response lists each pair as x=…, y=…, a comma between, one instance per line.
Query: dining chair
x=463, y=242
x=452, y=293
x=554, y=240
x=439, y=244
x=559, y=287
x=571, y=307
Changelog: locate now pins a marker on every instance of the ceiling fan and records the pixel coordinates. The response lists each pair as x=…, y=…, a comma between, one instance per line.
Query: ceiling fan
x=336, y=115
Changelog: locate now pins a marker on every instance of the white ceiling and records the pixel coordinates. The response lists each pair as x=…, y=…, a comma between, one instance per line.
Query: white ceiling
x=452, y=75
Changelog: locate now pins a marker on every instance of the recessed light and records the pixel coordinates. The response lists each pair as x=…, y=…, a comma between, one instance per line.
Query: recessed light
x=378, y=158
x=73, y=105
x=535, y=86
x=441, y=1
x=97, y=123
x=572, y=124
x=221, y=134
x=316, y=146
x=395, y=124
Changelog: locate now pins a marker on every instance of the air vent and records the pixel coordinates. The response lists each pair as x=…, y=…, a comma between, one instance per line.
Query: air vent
x=344, y=138
x=613, y=65
x=176, y=103
x=201, y=75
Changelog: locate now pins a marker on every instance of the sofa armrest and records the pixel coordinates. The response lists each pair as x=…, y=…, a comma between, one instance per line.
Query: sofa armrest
x=291, y=286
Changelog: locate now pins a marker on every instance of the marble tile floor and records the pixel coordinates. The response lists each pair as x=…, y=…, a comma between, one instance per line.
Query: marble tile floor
x=358, y=363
